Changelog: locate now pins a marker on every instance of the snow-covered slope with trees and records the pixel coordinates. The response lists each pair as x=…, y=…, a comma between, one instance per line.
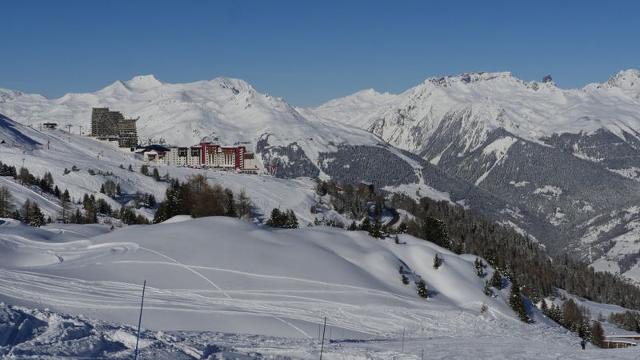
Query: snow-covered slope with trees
x=487, y=140
x=569, y=157
x=95, y=162
x=222, y=274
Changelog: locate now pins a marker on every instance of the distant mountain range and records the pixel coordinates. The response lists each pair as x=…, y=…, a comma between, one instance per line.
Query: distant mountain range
x=561, y=165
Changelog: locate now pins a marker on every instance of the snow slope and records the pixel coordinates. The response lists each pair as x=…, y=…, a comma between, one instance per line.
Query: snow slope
x=221, y=274
x=27, y=333
x=57, y=150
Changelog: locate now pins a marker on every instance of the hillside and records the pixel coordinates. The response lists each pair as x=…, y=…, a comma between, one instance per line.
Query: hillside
x=489, y=141
x=384, y=166
x=509, y=136
x=277, y=282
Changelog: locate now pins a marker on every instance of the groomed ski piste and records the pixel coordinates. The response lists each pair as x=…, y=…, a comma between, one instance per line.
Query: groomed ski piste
x=224, y=288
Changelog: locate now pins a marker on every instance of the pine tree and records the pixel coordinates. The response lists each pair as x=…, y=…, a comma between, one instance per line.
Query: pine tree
x=422, y=289
x=405, y=279
x=291, y=221
x=65, y=206
x=144, y=170
x=156, y=174
x=517, y=302
x=77, y=217
x=597, y=334
x=37, y=218
x=487, y=289
x=353, y=226
x=243, y=205
x=230, y=206
x=277, y=218
x=479, y=266
x=375, y=230
x=435, y=231
x=91, y=213
x=437, y=261
x=366, y=224
x=496, y=280
x=6, y=204
x=31, y=214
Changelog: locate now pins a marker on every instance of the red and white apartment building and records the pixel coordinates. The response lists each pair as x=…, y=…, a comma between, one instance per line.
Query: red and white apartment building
x=203, y=155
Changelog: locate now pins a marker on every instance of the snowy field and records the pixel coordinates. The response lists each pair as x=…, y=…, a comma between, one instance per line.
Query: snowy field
x=220, y=285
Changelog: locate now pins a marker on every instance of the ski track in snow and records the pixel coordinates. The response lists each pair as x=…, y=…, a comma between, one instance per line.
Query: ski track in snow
x=217, y=287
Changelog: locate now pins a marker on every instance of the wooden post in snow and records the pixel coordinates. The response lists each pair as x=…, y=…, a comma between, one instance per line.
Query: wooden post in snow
x=135, y=354
x=324, y=328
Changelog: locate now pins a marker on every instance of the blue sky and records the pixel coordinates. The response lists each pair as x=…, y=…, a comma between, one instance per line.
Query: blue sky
x=311, y=51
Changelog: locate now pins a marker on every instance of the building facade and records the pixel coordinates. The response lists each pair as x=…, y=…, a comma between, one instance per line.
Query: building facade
x=112, y=126
x=204, y=155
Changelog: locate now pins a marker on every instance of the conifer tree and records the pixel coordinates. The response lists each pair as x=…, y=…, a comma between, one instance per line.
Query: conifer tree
x=65, y=206
x=230, y=204
x=31, y=214
x=496, y=280
x=405, y=279
x=366, y=224
x=277, y=218
x=487, y=289
x=6, y=204
x=422, y=288
x=292, y=220
x=479, y=266
x=597, y=334
x=243, y=205
x=437, y=261
x=77, y=217
x=517, y=302
x=375, y=230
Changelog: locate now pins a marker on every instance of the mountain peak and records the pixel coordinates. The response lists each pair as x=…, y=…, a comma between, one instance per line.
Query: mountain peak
x=143, y=82
x=470, y=77
x=626, y=79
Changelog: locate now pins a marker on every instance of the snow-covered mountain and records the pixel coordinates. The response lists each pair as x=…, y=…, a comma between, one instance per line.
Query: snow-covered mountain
x=488, y=140
x=570, y=157
x=182, y=114
x=233, y=112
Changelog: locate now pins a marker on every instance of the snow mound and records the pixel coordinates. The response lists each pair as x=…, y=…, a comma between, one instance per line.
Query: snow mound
x=177, y=219
x=226, y=275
